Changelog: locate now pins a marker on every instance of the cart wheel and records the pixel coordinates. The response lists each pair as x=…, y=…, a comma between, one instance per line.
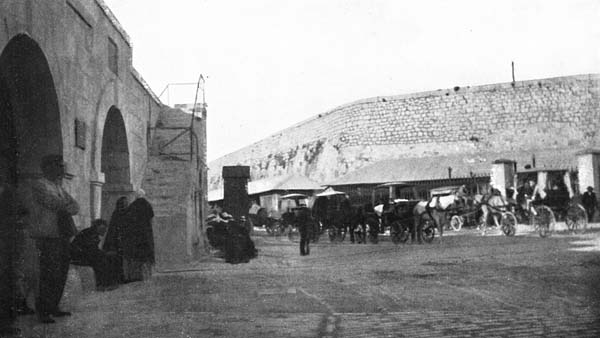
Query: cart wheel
x=399, y=233
x=292, y=231
x=283, y=229
x=359, y=233
x=314, y=236
x=508, y=223
x=544, y=220
x=373, y=238
x=456, y=222
x=428, y=230
x=274, y=229
x=482, y=227
x=371, y=229
x=331, y=232
x=576, y=218
x=342, y=233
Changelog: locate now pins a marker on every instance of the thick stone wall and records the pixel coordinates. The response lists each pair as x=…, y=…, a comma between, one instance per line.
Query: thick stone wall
x=73, y=36
x=553, y=113
x=175, y=184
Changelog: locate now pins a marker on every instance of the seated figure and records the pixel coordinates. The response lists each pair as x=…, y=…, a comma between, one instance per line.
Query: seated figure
x=85, y=251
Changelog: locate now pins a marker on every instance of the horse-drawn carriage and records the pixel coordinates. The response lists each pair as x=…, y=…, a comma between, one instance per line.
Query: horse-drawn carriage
x=547, y=195
x=296, y=212
x=396, y=214
x=334, y=214
x=282, y=220
x=478, y=210
x=406, y=215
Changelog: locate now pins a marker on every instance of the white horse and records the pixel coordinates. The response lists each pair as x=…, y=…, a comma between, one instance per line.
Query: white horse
x=434, y=210
x=493, y=206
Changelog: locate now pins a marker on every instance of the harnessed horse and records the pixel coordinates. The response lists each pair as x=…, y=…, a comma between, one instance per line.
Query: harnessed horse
x=434, y=210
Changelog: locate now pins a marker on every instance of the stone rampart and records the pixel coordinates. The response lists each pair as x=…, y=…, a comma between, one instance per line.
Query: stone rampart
x=549, y=113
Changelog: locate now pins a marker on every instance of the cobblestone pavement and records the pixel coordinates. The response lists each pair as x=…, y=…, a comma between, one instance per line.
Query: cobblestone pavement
x=469, y=285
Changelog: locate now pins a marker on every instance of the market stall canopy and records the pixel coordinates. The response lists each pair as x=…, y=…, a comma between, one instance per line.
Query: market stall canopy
x=294, y=196
x=394, y=184
x=441, y=191
x=282, y=183
x=454, y=166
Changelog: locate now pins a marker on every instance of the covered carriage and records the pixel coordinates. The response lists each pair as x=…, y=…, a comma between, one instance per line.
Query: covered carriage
x=333, y=213
x=396, y=213
x=545, y=196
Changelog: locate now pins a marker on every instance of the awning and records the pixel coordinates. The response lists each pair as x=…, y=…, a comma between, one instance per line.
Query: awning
x=294, y=196
x=330, y=192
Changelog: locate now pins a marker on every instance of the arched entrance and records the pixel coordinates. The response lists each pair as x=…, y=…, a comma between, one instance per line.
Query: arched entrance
x=114, y=162
x=30, y=125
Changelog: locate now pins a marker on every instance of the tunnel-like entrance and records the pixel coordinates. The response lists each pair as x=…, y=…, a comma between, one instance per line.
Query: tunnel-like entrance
x=114, y=162
x=30, y=125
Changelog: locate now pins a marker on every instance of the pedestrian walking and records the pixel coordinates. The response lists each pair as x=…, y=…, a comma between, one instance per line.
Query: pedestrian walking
x=138, y=240
x=305, y=227
x=51, y=225
x=590, y=203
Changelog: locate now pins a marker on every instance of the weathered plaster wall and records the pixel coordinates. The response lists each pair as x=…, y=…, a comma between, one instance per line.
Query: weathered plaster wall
x=73, y=35
x=550, y=113
x=175, y=184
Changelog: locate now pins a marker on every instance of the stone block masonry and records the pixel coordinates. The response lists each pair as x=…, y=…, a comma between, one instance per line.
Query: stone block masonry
x=67, y=86
x=554, y=113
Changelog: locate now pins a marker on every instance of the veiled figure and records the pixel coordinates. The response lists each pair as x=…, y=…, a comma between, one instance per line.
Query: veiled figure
x=114, y=236
x=138, y=240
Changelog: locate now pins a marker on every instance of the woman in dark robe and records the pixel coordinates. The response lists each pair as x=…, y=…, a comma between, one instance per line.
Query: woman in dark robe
x=114, y=236
x=138, y=240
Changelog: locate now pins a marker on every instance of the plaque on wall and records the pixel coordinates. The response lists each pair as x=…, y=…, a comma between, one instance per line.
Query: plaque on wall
x=80, y=131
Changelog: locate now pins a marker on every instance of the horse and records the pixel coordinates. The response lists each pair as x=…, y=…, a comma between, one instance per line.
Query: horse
x=491, y=205
x=435, y=210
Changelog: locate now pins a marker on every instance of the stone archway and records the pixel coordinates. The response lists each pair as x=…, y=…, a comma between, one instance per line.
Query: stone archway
x=30, y=125
x=114, y=162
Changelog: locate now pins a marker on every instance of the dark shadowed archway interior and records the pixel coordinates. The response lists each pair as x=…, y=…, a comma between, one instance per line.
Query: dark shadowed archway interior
x=114, y=162
x=30, y=125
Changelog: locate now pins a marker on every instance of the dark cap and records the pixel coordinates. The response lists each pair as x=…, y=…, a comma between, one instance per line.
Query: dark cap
x=590, y=188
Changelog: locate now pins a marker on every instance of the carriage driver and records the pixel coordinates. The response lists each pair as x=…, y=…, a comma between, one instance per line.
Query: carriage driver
x=526, y=193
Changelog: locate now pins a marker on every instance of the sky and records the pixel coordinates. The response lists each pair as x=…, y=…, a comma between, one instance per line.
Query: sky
x=269, y=64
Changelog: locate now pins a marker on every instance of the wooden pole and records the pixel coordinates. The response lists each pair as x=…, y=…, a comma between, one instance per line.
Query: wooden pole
x=512, y=63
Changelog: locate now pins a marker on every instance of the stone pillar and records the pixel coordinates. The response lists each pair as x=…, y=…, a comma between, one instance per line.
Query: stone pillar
x=503, y=175
x=96, y=183
x=235, y=192
x=588, y=168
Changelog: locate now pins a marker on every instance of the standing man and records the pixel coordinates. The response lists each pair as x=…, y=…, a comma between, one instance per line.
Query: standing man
x=8, y=237
x=51, y=225
x=305, y=228
x=589, y=202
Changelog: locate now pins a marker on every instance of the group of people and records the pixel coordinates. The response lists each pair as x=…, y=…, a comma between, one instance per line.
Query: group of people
x=39, y=241
x=230, y=236
x=127, y=253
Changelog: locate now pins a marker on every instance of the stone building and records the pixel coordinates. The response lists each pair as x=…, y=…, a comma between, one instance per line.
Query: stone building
x=559, y=115
x=67, y=86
